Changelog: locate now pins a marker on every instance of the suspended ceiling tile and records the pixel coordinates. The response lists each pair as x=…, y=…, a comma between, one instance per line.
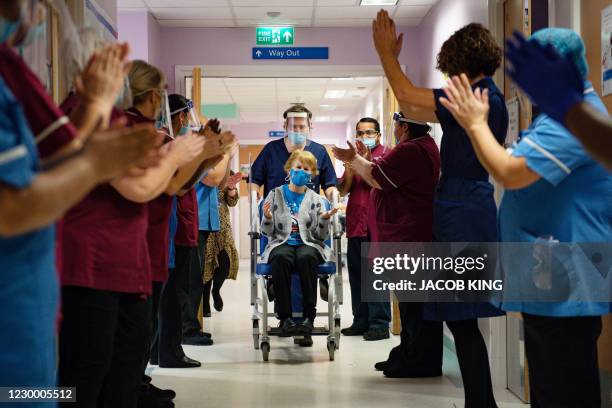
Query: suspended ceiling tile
x=349, y=12
x=187, y=3
x=354, y=22
x=217, y=23
x=272, y=3
x=411, y=12
x=275, y=22
x=256, y=13
x=192, y=13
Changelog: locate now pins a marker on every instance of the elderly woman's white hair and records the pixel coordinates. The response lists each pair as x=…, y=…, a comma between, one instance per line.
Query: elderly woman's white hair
x=80, y=53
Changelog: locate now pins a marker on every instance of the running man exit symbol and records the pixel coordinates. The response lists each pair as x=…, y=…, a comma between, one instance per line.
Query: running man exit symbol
x=275, y=35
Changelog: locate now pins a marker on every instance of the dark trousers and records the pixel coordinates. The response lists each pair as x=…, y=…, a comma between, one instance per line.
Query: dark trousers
x=191, y=324
x=372, y=315
x=102, y=344
x=420, y=348
x=170, y=323
x=473, y=363
x=219, y=276
x=304, y=259
x=562, y=357
x=152, y=353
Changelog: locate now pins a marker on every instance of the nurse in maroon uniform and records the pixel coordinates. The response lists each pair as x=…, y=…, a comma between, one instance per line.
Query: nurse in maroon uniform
x=107, y=278
x=401, y=202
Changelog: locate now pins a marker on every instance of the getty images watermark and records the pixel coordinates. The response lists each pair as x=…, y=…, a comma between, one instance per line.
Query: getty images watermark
x=543, y=271
x=411, y=265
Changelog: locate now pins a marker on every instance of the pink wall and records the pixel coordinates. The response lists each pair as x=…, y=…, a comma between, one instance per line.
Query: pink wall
x=132, y=27
x=154, y=40
x=232, y=46
x=446, y=17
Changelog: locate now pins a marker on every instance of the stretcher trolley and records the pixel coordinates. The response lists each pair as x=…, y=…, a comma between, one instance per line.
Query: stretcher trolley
x=330, y=281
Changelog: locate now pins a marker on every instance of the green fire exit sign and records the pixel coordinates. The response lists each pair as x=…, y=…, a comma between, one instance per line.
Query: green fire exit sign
x=275, y=35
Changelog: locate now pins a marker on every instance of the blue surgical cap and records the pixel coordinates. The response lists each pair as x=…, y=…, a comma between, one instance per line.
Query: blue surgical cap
x=567, y=43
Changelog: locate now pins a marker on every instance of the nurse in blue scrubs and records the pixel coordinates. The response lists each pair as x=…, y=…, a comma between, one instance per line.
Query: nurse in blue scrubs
x=554, y=190
x=464, y=209
x=31, y=199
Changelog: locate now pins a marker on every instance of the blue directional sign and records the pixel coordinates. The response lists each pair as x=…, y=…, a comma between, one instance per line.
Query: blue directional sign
x=276, y=133
x=290, y=53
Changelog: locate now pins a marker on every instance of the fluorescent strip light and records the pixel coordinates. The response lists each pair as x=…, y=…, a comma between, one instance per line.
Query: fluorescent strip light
x=335, y=94
x=378, y=3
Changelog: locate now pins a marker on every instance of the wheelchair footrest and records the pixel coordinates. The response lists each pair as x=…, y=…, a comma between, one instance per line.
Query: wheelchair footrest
x=318, y=331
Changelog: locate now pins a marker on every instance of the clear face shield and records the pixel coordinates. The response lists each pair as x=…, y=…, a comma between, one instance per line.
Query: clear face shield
x=298, y=128
x=193, y=120
x=163, y=122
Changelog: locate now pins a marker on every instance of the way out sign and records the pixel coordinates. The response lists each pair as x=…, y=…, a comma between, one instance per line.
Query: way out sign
x=275, y=35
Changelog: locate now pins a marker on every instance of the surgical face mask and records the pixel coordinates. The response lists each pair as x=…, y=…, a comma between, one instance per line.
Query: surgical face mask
x=299, y=177
x=369, y=142
x=297, y=138
x=184, y=129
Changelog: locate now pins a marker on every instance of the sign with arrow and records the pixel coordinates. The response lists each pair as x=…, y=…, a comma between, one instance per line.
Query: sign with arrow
x=290, y=53
x=275, y=35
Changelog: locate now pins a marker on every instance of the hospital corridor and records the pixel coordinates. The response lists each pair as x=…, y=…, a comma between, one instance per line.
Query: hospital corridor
x=305, y=203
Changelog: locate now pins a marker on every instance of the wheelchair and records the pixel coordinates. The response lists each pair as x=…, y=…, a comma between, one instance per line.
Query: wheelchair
x=261, y=274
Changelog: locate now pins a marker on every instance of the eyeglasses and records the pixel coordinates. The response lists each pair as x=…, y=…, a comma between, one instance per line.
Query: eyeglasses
x=369, y=133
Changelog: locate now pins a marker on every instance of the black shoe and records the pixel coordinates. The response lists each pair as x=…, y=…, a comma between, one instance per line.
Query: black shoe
x=377, y=334
x=162, y=394
x=200, y=340
x=353, y=330
x=184, y=362
x=381, y=365
x=217, y=301
x=153, y=361
x=306, y=327
x=305, y=342
x=287, y=327
x=412, y=373
x=324, y=288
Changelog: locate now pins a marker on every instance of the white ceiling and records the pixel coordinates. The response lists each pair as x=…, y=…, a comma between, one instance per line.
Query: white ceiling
x=262, y=100
x=300, y=13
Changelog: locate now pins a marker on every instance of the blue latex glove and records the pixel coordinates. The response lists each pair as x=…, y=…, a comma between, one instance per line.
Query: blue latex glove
x=552, y=82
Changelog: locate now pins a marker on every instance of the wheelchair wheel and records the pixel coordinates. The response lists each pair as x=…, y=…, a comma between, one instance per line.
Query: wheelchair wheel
x=337, y=329
x=256, y=334
x=331, y=348
x=265, y=350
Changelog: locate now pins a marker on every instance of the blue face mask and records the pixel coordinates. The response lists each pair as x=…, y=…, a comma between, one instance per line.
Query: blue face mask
x=183, y=131
x=297, y=138
x=7, y=29
x=369, y=142
x=299, y=177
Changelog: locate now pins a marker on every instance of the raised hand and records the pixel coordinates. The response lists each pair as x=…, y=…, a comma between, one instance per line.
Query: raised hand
x=218, y=144
x=115, y=152
x=267, y=210
x=328, y=214
x=345, y=155
x=363, y=150
x=102, y=78
x=469, y=108
x=186, y=148
x=386, y=41
x=232, y=181
x=552, y=82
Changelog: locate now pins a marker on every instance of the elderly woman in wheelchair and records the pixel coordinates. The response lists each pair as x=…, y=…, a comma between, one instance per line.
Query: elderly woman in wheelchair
x=297, y=225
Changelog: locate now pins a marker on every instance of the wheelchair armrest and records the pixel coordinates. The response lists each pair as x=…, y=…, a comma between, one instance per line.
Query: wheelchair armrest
x=254, y=234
